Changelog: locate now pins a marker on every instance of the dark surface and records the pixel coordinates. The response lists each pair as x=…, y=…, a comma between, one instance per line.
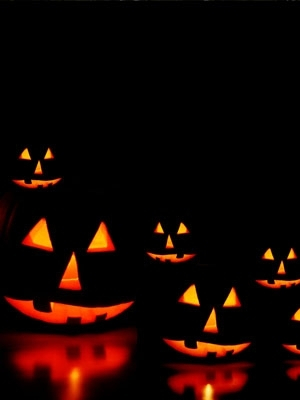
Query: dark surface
x=235, y=200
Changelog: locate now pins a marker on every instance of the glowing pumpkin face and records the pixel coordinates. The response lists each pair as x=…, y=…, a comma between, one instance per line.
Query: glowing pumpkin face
x=64, y=260
x=292, y=333
x=217, y=331
x=36, y=167
x=171, y=242
x=279, y=268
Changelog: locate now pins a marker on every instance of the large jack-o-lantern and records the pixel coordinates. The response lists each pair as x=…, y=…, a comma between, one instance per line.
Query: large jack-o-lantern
x=36, y=167
x=279, y=267
x=64, y=259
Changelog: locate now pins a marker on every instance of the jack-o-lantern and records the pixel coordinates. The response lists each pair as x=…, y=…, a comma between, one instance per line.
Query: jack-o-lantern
x=206, y=338
x=75, y=367
x=170, y=241
x=36, y=167
x=208, y=381
x=64, y=257
x=279, y=267
x=290, y=331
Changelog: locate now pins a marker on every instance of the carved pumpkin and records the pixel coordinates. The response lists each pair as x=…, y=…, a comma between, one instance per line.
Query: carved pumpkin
x=279, y=267
x=73, y=365
x=208, y=381
x=170, y=241
x=204, y=335
x=36, y=167
x=65, y=258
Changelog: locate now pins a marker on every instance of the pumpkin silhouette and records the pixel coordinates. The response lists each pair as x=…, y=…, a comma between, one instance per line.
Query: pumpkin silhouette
x=64, y=256
x=37, y=166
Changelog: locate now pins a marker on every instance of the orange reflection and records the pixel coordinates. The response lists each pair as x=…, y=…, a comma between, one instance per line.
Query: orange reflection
x=73, y=365
x=293, y=371
x=209, y=382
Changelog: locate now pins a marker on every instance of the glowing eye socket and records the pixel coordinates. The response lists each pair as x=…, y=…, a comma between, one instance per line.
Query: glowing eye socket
x=296, y=316
x=292, y=255
x=158, y=229
x=101, y=241
x=268, y=255
x=49, y=155
x=232, y=299
x=182, y=229
x=25, y=155
x=39, y=237
x=190, y=296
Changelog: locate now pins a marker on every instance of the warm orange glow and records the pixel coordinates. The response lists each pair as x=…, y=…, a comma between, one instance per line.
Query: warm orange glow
x=169, y=244
x=278, y=283
x=61, y=312
x=36, y=183
x=204, y=348
x=232, y=299
x=211, y=323
x=182, y=229
x=292, y=255
x=208, y=381
x=102, y=240
x=70, y=279
x=158, y=228
x=292, y=348
x=268, y=255
x=49, y=155
x=171, y=257
x=39, y=236
x=293, y=372
x=281, y=270
x=190, y=296
x=296, y=316
x=25, y=155
x=72, y=363
x=38, y=170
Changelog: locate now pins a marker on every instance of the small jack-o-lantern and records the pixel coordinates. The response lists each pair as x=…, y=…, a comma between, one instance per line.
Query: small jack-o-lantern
x=36, y=167
x=290, y=333
x=64, y=258
x=208, y=331
x=279, y=267
x=171, y=242
x=208, y=381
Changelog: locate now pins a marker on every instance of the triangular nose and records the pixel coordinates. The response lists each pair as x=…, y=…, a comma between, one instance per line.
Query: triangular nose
x=211, y=323
x=281, y=270
x=38, y=169
x=70, y=279
x=169, y=244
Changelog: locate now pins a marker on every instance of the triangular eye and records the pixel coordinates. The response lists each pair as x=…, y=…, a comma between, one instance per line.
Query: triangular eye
x=48, y=154
x=190, y=296
x=158, y=229
x=182, y=229
x=296, y=316
x=292, y=255
x=232, y=299
x=25, y=155
x=39, y=236
x=268, y=255
x=101, y=241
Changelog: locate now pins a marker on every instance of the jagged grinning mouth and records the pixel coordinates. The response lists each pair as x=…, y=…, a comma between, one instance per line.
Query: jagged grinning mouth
x=172, y=258
x=203, y=349
x=34, y=183
x=64, y=313
x=278, y=283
